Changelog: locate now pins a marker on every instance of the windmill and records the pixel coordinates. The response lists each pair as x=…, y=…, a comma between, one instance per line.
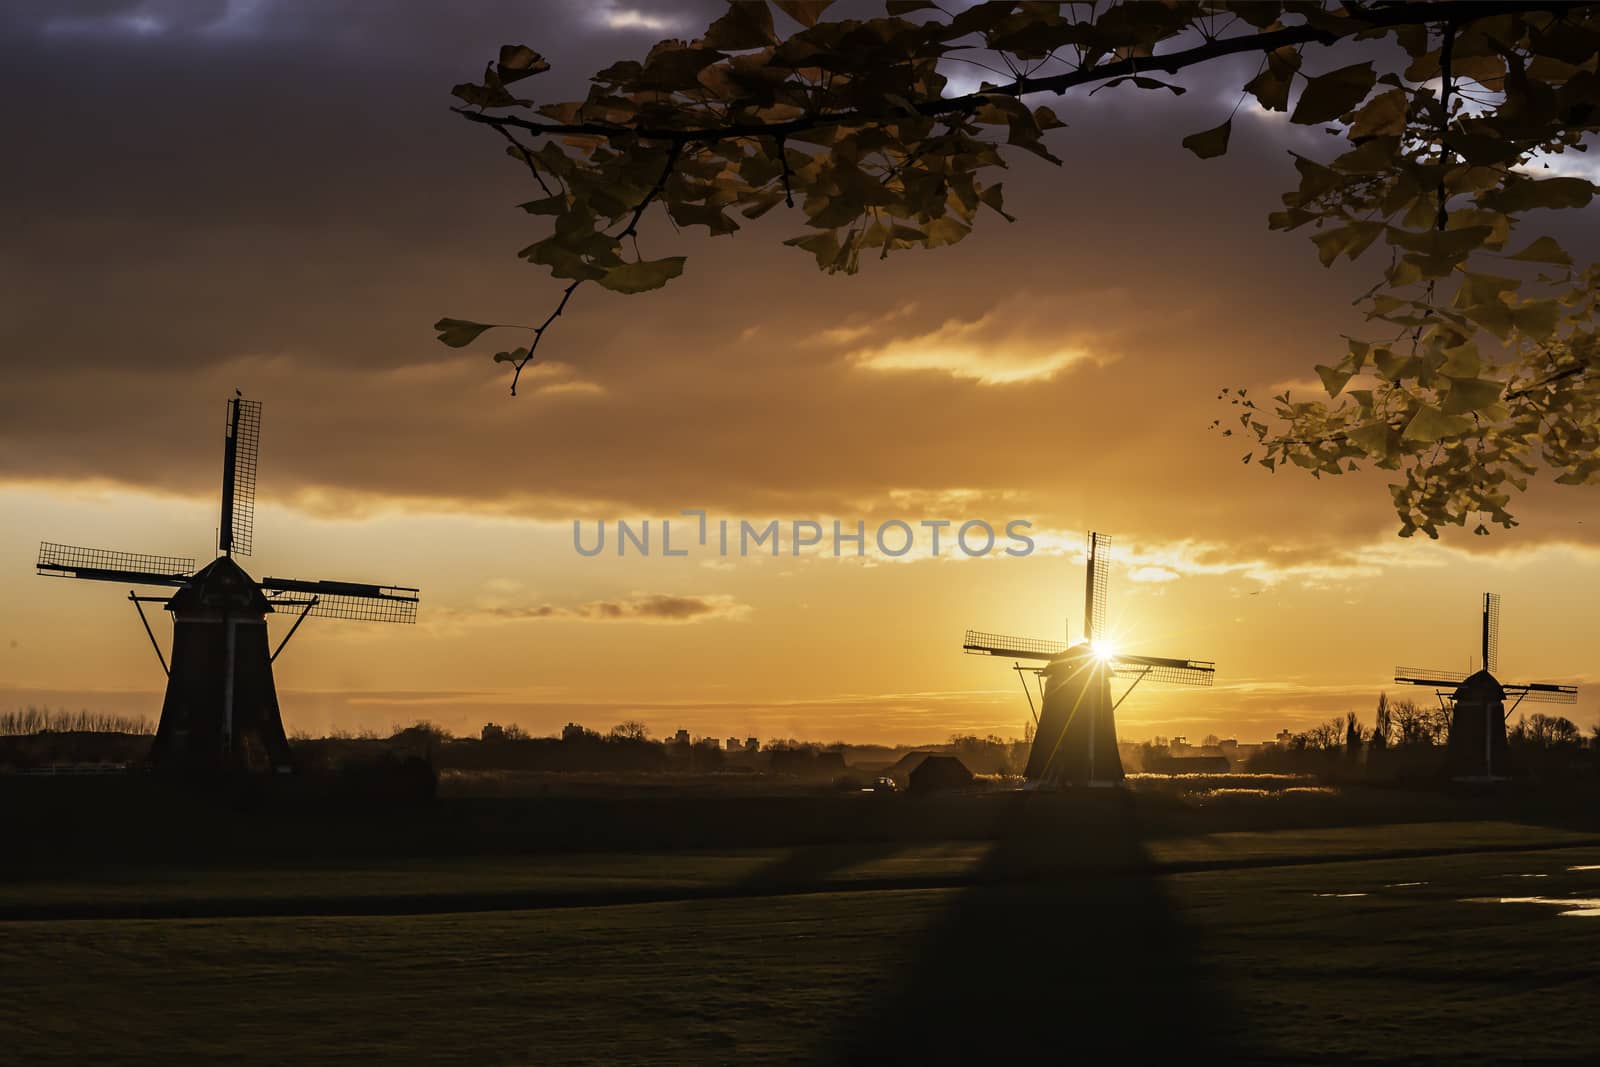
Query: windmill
x=1477, y=702
x=220, y=711
x=1075, y=742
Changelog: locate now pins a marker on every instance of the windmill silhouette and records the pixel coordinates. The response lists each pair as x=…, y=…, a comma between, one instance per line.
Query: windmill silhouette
x=1075, y=742
x=1476, y=747
x=220, y=711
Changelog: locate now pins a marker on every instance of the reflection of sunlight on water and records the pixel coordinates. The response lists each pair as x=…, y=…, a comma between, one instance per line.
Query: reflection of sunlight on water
x=1402, y=885
x=1582, y=907
x=1585, y=867
x=1338, y=894
x=1524, y=876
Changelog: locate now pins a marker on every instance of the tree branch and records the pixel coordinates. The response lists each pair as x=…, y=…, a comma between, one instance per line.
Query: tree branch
x=1407, y=13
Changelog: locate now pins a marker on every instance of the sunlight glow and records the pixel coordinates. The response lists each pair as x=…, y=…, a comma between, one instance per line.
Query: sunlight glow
x=1103, y=650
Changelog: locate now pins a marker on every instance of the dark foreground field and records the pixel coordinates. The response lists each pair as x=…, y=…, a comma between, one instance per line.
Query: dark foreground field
x=802, y=928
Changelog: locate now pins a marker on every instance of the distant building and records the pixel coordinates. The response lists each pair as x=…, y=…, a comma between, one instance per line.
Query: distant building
x=710, y=742
x=572, y=732
x=752, y=745
x=938, y=772
x=1284, y=737
x=493, y=732
x=734, y=744
x=681, y=737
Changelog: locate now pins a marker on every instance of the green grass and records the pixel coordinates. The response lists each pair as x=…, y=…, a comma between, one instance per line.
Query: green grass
x=1035, y=944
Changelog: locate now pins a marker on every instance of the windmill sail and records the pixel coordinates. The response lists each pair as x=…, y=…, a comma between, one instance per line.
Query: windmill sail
x=1094, y=589
x=240, y=448
x=108, y=565
x=343, y=600
x=1428, y=676
x=1491, y=632
x=1161, y=669
x=1544, y=693
x=985, y=644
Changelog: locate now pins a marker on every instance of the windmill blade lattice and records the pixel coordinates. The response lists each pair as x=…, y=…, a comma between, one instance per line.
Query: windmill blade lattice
x=1491, y=632
x=1094, y=599
x=1171, y=671
x=109, y=565
x=343, y=600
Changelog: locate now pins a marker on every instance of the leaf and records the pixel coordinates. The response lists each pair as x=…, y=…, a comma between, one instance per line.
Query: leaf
x=516, y=355
x=1208, y=144
x=1373, y=439
x=992, y=196
x=1536, y=319
x=1471, y=394
x=1530, y=193
x=1333, y=380
x=643, y=276
x=1382, y=116
x=805, y=12
x=458, y=333
x=1330, y=95
x=1271, y=86
x=1352, y=240
x=1046, y=119
x=1430, y=424
x=824, y=245
x=518, y=61
x=745, y=26
x=1544, y=250
x=1461, y=361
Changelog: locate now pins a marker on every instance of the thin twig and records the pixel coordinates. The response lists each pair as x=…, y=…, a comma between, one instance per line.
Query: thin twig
x=527, y=157
x=538, y=333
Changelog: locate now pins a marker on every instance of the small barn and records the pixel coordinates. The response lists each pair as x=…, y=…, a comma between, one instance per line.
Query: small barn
x=936, y=773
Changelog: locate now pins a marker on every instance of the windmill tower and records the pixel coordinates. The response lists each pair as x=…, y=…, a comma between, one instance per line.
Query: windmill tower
x=1075, y=742
x=220, y=712
x=1476, y=749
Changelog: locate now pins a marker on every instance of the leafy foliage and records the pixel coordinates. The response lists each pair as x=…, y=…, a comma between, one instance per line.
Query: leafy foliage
x=1480, y=370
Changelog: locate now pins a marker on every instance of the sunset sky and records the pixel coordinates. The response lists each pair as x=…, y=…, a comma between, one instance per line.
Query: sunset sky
x=273, y=196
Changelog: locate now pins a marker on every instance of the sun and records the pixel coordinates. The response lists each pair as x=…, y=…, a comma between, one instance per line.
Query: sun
x=1103, y=650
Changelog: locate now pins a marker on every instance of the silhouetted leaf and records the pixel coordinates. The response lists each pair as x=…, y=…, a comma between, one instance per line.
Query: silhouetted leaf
x=1544, y=250
x=805, y=12
x=643, y=276
x=1429, y=424
x=1209, y=143
x=745, y=25
x=1333, y=380
x=1330, y=95
x=458, y=333
x=518, y=61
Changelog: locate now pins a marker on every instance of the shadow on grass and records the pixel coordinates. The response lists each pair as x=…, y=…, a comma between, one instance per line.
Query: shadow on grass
x=810, y=866
x=1048, y=956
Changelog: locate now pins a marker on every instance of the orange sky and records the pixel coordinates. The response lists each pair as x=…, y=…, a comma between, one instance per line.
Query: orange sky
x=293, y=231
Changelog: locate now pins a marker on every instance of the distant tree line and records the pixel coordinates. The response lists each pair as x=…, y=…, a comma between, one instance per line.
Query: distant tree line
x=37, y=720
x=1407, y=739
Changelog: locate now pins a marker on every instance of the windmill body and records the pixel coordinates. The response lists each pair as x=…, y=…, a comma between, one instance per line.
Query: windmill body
x=220, y=711
x=219, y=634
x=1476, y=749
x=1076, y=739
x=1075, y=743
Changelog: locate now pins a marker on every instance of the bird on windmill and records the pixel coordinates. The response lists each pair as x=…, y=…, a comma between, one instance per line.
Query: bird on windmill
x=220, y=711
x=1476, y=748
x=1075, y=735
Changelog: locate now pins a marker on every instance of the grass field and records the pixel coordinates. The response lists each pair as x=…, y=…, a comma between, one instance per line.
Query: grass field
x=1334, y=943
